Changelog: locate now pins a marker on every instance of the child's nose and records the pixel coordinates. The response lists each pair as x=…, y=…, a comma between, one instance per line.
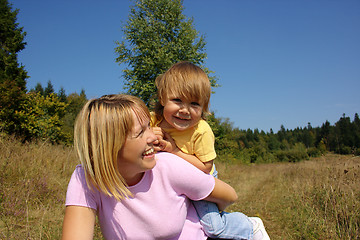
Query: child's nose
x=185, y=109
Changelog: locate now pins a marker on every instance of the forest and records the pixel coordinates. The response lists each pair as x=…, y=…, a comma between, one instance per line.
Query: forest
x=43, y=114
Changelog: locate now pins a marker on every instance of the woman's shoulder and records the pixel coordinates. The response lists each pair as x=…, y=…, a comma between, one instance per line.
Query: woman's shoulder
x=78, y=175
x=170, y=161
x=171, y=164
x=79, y=170
x=165, y=158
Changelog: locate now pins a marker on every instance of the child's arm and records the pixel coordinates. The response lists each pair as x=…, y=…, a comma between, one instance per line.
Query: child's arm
x=223, y=195
x=167, y=144
x=203, y=166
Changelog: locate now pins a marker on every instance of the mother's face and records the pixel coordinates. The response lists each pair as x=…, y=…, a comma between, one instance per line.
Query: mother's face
x=137, y=154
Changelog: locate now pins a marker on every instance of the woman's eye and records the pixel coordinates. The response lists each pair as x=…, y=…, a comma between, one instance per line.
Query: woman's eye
x=145, y=127
x=139, y=133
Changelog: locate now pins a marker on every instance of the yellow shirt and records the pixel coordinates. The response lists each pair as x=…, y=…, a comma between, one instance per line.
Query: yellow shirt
x=198, y=140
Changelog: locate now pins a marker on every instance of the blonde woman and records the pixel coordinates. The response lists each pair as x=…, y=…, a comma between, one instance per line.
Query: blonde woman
x=135, y=193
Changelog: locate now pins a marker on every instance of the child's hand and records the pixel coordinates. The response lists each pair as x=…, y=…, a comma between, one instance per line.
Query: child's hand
x=164, y=141
x=159, y=134
x=168, y=143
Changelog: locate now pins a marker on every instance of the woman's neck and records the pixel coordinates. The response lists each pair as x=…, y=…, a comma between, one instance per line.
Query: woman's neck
x=133, y=180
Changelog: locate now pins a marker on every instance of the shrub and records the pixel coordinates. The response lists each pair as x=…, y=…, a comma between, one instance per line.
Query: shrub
x=314, y=152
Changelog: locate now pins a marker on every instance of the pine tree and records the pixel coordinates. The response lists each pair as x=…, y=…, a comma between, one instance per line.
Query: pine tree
x=62, y=95
x=12, y=76
x=356, y=130
x=49, y=89
x=38, y=89
x=158, y=35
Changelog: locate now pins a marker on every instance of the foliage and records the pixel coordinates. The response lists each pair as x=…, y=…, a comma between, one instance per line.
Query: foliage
x=252, y=146
x=39, y=114
x=157, y=36
x=49, y=89
x=74, y=102
x=40, y=118
x=45, y=91
x=12, y=76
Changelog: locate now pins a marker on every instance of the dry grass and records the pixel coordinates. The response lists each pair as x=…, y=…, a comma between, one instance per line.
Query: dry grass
x=317, y=199
x=33, y=183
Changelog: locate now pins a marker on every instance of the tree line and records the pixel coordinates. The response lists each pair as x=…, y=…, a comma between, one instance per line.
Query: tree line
x=158, y=35
x=254, y=146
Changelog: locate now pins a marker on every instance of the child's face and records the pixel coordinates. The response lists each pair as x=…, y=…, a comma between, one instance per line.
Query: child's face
x=181, y=113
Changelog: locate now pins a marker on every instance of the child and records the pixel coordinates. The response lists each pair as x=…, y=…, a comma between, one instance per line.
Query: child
x=184, y=93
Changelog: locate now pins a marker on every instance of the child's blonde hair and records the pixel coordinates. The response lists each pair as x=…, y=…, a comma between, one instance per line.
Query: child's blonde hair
x=101, y=129
x=183, y=79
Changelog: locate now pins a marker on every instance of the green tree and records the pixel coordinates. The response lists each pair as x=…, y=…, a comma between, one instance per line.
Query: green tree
x=308, y=137
x=41, y=118
x=157, y=35
x=38, y=89
x=62, y=95
x=12, y=76
x=356, y=127
x=49, y=89
x=345, y=129
x=74, y=102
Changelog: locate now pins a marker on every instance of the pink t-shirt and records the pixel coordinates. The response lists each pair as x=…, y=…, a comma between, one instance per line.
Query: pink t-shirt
x=160, y=208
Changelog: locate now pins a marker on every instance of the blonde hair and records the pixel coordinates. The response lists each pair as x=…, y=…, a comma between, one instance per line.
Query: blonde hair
x=183, y=79
x=101, y=129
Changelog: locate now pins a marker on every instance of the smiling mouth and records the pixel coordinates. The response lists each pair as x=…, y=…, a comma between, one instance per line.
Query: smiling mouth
x=149, y=152
x=183, y=118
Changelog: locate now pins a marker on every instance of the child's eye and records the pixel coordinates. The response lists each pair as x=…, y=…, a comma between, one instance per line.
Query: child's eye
x=177, y=100
x=195, y=104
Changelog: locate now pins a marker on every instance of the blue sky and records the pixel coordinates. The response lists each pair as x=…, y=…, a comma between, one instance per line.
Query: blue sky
x=279, y=62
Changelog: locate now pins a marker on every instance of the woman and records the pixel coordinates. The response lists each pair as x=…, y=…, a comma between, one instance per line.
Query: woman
x=135, y=193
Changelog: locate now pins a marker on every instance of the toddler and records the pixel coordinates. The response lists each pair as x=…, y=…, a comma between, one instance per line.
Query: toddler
x=183, y=101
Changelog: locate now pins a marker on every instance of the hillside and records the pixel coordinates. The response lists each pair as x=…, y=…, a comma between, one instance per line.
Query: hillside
x=313, y=199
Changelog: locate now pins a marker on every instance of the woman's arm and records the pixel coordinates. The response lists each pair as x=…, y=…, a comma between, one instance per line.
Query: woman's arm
x=78, y=223
x=223, y=195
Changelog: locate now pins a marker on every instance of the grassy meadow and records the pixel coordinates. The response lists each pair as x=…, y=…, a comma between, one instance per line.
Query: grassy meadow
x=314, y=199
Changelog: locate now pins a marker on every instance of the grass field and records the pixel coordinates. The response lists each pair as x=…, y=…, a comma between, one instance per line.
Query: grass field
x=313, y=199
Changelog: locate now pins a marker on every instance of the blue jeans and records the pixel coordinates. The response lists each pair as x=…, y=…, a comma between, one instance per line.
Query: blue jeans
x=223, y=225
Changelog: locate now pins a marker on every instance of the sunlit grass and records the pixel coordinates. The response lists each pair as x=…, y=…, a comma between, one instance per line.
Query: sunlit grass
x=315, y=199
x=33, y=182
